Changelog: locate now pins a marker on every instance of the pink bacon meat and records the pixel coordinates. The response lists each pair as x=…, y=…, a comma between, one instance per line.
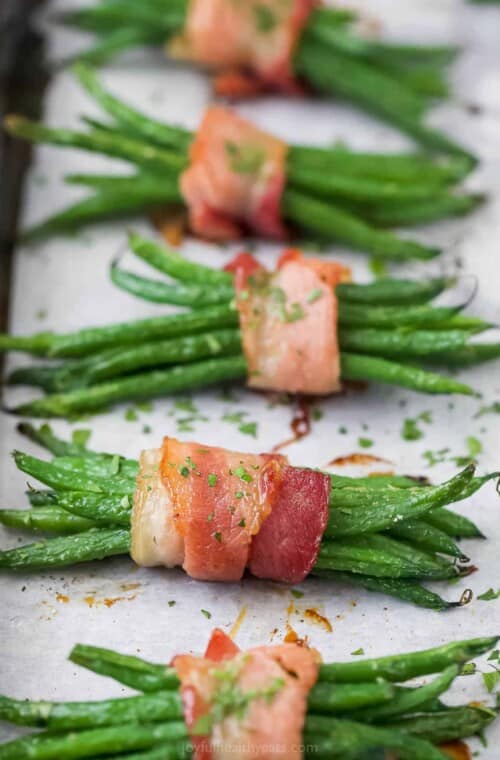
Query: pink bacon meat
x=288, y=320
x=277, y=680
x=252, y=43
x=235, y=180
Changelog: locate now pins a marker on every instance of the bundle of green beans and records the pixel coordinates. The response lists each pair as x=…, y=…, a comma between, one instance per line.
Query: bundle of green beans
x=354, y=710
x=386, y=534
x=395, y=82
x=330, y=194
x=388, y=329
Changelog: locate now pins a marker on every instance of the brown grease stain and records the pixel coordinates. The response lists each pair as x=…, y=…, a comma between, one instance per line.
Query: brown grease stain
x=300, y=424
x=238, y=622
x=357, y=459
x=312, y=615
x=456, y=750
x=62, y=598
x=91, y=601
x=171, y=223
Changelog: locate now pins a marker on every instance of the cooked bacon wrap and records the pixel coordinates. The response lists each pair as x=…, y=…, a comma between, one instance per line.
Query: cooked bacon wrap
x=216, y=512
x=288, y=321
x=276, y=680
x=235, y=180
x=252, y=43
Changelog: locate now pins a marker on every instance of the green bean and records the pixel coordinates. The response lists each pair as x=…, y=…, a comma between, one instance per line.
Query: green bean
x=401, y=168
x=401, y=343
x=125, y=147
x=160, y=353
x=41, y=498
x=369, y=86
x=103, y=509
x=387, y=508
x=404, y=667
x=36, y=377
x=144, y=127
x=336, y=738
x=427, y=537
x=390, y=292
x=331, y=71
x=409, y=700
x=172, y=263
x=109, y=466
x=75, y=716
x=127, y=669
x=165, y=292
x=44, y=436
x=406, y=590
x=371, y=48
x=360, y=315
x=92, y=743
x=357, y=189
x=50, y=519
x=67, y=550
x=423, y=212
x=146, y=385
x=382, y=557
x=452, y=523
x=375, y=481
x=333, y=222
x=116, y=42
x=323, y=699
x=87, y=341
x=453, y=723
x=470, y=355
x=71, y=479
x=370, y=368
x=128, y=196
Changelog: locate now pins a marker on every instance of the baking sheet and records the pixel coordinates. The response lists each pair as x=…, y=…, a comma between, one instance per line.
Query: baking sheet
x=62, y=285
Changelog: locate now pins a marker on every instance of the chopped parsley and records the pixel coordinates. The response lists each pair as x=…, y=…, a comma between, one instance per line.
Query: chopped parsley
x=184, y=471
x=297, y=593
x=218, y=536
x=358, y=652
x=236, y=417
x=229, y=699
x=248, y=428
x=242, y=523
x=207, y=614
x=245, y=159
x=131, y=415
x=146, y=429
x=242, y=474
x=317, y=414
x=365, y=443
x=491, y=679
x=314, y=295
x=239, y=495
x=468, y=669
x=490, y=409
x=185, y=405
x=212, y=480
x=265, y=19
x=172, y=603
x=144, y=406
x=342, y=430
x=79, y=437
x=489, y=595
x=474, y=448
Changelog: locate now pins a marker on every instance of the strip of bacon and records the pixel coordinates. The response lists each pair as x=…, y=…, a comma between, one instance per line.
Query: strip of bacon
x=272, y=684
x=235, y=180
x=287, y=546
x=220, y=498
x=252, y=42
x=155, y=540
x=288, y=320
